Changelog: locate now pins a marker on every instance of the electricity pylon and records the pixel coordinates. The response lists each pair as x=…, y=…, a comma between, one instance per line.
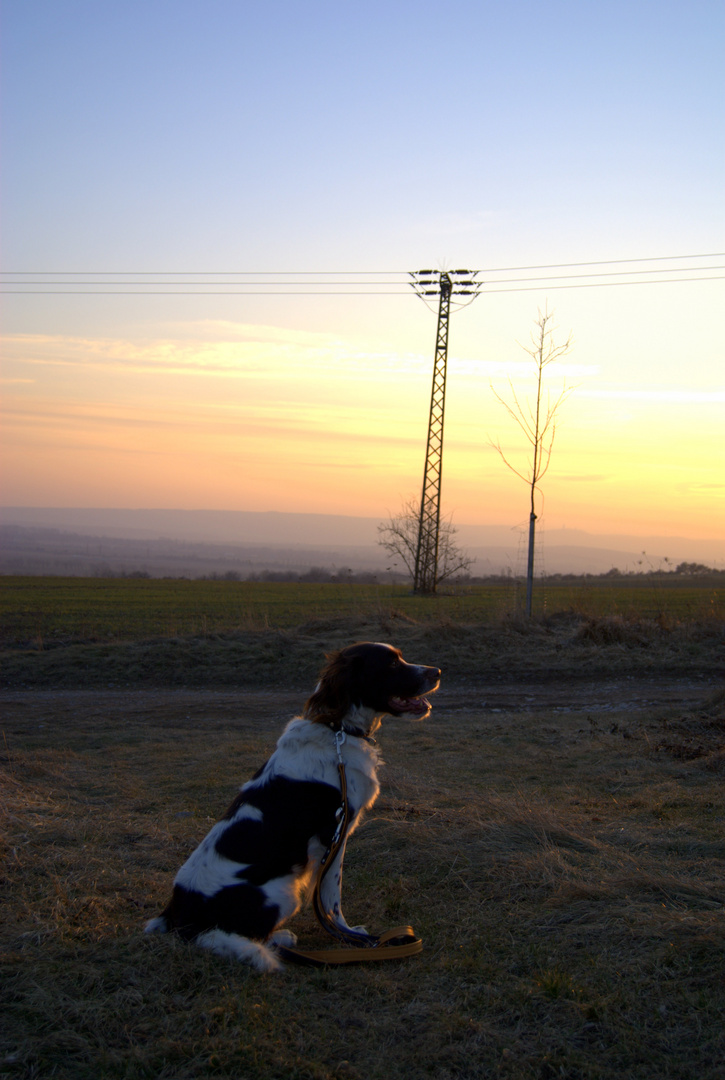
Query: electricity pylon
x=448, y=286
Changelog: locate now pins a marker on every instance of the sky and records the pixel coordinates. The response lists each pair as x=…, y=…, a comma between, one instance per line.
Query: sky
x=224, y=142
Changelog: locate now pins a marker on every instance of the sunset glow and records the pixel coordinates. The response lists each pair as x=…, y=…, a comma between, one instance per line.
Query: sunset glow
x=249, y=143
x=310, y=425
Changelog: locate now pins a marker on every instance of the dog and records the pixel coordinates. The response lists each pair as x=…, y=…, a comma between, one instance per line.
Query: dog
x=250, y=873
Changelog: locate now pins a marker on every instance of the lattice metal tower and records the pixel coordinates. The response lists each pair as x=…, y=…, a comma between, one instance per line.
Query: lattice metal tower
x=448, y=286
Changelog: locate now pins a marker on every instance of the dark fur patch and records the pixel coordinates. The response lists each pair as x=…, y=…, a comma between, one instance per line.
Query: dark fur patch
x=190, y=913
x=293, y=811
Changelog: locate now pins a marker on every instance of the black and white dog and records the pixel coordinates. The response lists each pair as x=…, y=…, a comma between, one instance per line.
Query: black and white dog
x=249, y=874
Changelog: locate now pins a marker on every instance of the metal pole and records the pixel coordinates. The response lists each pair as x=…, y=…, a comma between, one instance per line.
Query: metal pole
x=426, y=561
x=530, y=564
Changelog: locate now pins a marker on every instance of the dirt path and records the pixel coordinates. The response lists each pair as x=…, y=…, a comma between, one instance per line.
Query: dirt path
x=565, y=696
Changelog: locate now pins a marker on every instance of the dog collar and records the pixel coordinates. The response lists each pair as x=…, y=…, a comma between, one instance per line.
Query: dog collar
x=363, y=735
x=355, y=733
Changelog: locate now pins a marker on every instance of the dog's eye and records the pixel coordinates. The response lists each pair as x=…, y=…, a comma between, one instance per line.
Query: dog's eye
x=394, y=663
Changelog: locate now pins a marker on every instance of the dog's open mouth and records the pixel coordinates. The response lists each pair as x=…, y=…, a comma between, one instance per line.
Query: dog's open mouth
x=414, y=706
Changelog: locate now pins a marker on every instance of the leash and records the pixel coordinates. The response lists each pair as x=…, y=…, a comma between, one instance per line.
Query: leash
x=395, y=944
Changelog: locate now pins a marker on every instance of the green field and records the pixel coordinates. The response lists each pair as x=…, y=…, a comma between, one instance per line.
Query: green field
x=43, y=612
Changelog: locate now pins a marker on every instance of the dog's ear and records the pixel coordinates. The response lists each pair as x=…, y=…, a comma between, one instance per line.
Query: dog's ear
x=333, y=696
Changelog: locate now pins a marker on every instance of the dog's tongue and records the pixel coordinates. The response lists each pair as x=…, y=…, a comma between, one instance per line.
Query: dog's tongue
x=416, y=705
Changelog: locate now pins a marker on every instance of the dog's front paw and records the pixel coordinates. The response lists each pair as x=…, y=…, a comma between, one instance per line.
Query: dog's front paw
x=285, y=938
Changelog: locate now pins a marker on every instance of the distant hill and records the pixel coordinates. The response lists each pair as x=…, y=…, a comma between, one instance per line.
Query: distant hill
x=194, y=543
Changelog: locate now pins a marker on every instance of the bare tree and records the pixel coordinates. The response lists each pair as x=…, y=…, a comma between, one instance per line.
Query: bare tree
x=399, y=536
x=538, y=423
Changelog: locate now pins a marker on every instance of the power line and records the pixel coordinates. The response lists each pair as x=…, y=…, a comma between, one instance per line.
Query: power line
x=602, y=284
x=606, y=273
x=338, y=273
x=231, y=273
x=500, y=281
x=349, y=282
x=241, y=284
x=603, y=262
x=179, y=292
x=327, y=292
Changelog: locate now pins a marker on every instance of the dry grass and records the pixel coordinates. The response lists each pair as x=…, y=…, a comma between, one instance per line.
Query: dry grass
x=563, y=865
x=567, y=644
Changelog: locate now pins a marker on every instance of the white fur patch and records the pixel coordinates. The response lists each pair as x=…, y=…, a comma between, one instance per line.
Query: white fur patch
x=285, y=893
x=236, y=947
x=283, y=937
x=206, y=871
x=246, y=813
x=157, y=926
x=306, y=751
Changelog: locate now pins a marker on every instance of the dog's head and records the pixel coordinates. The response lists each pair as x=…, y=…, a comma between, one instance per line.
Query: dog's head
x=373, y=677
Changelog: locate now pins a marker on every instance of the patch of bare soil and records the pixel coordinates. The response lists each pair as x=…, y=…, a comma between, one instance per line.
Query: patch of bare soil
x=600, y=695
x=266, y=706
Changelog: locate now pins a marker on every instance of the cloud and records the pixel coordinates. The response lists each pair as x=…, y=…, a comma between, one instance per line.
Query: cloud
x=680, y=396
x=705, y=488
x=523, y=369
x=591, y=478
x=228, y=350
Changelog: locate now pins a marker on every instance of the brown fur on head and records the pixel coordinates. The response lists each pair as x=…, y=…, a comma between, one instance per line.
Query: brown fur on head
x=332, y=698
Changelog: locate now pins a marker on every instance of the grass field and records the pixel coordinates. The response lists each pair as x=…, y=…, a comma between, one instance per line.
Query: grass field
x=554, y=832
x=561, y=860
x=45, y=612
x=66, y=632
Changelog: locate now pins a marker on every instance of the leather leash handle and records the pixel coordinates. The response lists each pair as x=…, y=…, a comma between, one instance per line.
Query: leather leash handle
x=382, y=951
